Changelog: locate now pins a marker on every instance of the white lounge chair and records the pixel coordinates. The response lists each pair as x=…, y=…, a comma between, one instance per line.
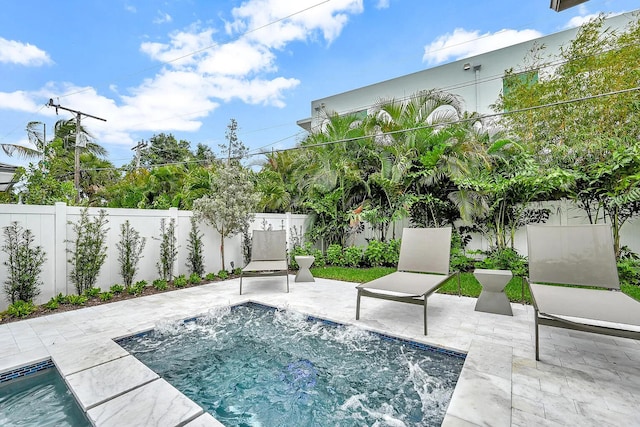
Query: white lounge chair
x=268, y=256
x=423, y=267
x=578, y=255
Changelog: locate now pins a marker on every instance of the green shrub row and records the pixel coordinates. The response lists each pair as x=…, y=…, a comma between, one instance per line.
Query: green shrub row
x=21, y=308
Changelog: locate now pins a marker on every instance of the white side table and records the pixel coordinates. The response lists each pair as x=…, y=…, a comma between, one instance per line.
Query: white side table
x=492, y=299
x=304, y=274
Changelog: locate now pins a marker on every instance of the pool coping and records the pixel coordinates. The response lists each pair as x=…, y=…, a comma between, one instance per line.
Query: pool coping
x=482, y=395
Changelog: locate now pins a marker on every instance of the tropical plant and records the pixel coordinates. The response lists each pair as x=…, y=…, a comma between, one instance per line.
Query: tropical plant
x=21, y=308
x=92, y=292
x=180, y=281
x=76, y=299
x=24, y=263
x=589, y=125
x=168, y=249
x=160, y=284
x=195, y=257
x=105, y=296
x=88, y=250
x=117, y=289
x=130, y=249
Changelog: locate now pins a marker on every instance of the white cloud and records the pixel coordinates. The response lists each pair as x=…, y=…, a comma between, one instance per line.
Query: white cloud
x=15, y=52
x=162, y=18
x=463, y=43
x=383, y=4
x=18, y=101
x=180, y=50
x=274, y=23
x=585, y=17
x=130, y=8
x=238, y=58
x=199, y=71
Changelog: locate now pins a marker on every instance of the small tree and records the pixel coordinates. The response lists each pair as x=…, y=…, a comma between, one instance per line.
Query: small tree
x=24, y=264
x=168, y=249
x=130, y=249
x=89, y=250
x=195, y=261
x=230, y=206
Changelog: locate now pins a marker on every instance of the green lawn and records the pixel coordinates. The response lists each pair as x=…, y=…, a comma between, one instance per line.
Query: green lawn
x=468, y=283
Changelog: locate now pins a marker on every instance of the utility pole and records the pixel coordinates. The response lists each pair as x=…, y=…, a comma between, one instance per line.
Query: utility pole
x=79, y=114
x=138, y=148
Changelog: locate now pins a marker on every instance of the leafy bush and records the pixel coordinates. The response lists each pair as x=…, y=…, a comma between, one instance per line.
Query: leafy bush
x=105, y=296
x=180, y=281
x=352, y=256
x=223, y=274
x=52, y=304
x=130, y=249
x=210, y=277
x=117, y=289
x=237, y=271
x=195, y=279
x=160, y=284
x=21, y=308
x=306, y=250
x=629, y=271
x=374, y=254
x=459, y=261
x=335, y=255
x=89, y=250
x=24, y=264
x=137, y=288
x=92, y=292
x=391, y=253
x=506, y=259
x=76, y=299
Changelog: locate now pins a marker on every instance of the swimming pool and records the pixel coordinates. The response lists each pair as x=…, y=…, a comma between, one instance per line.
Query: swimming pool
x=39, y=399
x=256, y=366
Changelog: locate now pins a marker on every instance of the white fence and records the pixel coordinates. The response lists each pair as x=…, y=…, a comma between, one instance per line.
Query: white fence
x=51, y=228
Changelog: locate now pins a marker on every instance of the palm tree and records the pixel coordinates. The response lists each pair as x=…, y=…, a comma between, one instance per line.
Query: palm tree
x=36, y=137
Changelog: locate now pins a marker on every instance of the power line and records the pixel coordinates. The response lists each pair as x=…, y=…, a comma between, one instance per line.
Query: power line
x=427, y=126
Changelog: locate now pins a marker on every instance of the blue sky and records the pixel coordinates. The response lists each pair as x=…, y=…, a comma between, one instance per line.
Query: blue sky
x=187, y=67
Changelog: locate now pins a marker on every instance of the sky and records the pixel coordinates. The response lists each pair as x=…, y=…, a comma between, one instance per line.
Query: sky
x=187, y=67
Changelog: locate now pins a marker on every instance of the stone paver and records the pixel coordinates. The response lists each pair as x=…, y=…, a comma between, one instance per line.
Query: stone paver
x=581, y=379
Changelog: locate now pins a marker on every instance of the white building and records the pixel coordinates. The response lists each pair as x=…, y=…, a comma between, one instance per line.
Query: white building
x=477, y=79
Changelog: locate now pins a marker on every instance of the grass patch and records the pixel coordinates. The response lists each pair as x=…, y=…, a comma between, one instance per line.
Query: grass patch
x=347, y=274
x=469, y=286
x=631, y=290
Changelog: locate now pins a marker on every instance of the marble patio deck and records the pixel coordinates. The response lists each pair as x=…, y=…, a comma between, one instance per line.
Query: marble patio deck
x=582, y=379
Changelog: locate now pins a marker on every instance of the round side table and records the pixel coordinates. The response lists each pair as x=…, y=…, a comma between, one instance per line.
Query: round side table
x=492, y=299
x=304, y=274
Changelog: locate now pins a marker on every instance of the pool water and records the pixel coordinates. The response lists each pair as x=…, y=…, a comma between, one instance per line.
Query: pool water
x=41, y=399
x=252, y=366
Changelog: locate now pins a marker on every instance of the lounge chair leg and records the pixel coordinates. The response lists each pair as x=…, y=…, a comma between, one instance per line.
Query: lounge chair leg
x=287, y=281
x=358, y=306
x=535, y=314
x=240, y=283
x=425, y=315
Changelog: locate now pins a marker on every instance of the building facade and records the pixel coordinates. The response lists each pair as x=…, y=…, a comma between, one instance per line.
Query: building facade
x=478, y=80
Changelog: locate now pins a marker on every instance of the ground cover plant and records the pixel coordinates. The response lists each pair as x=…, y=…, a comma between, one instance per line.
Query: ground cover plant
x=117, y=292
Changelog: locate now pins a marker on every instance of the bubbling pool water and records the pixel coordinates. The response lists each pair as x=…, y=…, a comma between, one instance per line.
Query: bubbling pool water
x=252, y=366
